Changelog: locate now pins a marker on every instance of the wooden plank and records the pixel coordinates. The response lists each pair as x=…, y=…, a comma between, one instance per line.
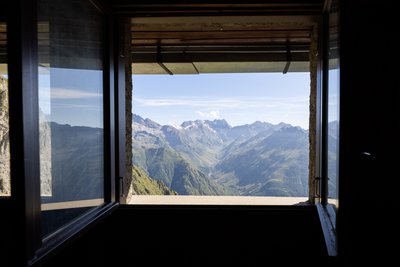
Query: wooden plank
x=181, y=68
x=226, y=20
x=194, y=35
x=270, y=8
x=190, y=7
x=168, y=12
x=224, y=49
x=147, y=68
x=218, y=57
x=217, y=27
x=234, y=41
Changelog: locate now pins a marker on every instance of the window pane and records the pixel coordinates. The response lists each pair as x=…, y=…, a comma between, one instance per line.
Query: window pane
x=5, y=186
x=333, y=106
x=71, y=110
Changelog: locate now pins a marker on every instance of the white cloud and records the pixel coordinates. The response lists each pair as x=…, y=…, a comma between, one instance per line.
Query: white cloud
x=76, y=106
x=212, y=103
x=189, y=101
x=62, y=93
x=209, y=115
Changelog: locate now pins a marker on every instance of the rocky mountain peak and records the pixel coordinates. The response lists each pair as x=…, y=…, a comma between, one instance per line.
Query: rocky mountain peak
x=146, y=122
x=218, y=124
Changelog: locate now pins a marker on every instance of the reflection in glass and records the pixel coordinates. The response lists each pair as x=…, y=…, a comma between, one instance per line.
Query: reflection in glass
x=70, y=110
x=5, y=180
x=333, y=106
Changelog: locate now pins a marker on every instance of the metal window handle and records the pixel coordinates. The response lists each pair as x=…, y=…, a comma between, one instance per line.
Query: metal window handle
x=367, y=156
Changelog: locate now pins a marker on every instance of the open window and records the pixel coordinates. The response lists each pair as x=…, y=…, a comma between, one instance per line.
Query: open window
x=228, y=107
x=221, y=110
x=329, y=125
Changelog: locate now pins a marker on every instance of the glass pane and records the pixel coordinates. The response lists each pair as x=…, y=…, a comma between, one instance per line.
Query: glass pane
x=71, y=110
x=5, y=180
x=333, y=106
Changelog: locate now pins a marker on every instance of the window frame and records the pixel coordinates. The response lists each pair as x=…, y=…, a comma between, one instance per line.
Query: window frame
x=326, y=211
x=25, y=186
x=153, y=12
x=23, y=208
x=4, y=19
x=7, y=202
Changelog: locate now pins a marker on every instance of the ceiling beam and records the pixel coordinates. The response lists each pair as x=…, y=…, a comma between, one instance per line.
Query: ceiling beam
x=193, y=7
x=218, y=57
x=196, y=35
x=229, y=21
x=243, y=41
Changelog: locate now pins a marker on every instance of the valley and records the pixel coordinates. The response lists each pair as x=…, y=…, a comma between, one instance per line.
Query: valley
x=204, y=157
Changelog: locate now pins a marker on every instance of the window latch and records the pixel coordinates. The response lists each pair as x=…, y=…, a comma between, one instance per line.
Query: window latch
x=317, y=186
x=121, y=186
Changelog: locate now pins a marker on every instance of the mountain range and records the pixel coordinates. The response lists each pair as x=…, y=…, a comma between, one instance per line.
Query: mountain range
x=204, y=157
x=199, y=157
x=74, y=158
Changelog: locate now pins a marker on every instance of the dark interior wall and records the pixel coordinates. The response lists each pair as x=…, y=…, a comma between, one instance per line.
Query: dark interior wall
x=369, y=123
x=368, y=195
x=7, y=242
x=138, y=236
x=200, y=236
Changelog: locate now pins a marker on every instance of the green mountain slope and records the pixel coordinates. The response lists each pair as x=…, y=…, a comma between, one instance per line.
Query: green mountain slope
x=144, y=185
x=213, y=158
x=169, y=167
x=174, y=157
x=77, y=168
x=188, y=180
x=268, y=165
x=197, y=143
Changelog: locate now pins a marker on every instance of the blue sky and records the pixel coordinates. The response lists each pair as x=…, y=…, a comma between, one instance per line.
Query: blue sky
x=333, y=95
x=238, y=98
x=75, y=97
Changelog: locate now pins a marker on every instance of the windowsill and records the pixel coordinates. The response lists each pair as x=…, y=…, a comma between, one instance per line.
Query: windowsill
x=72, y=204
x=215, y=200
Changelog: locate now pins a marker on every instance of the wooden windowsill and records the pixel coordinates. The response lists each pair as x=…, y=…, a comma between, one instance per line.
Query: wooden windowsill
x=214, y=200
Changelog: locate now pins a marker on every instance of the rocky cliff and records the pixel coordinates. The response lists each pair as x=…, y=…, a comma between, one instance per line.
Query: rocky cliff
x=45, y=155
x=4, y=140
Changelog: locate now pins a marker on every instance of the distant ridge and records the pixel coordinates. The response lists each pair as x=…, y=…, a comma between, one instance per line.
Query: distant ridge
x=260, y=159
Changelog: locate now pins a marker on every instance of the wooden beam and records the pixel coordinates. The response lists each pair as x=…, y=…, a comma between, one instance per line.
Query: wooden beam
x=225, y=49
x=191, y=7
x=218, y=27
x=218, y=57
x=195, y=35
x=225, y=20
x=234, y=41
